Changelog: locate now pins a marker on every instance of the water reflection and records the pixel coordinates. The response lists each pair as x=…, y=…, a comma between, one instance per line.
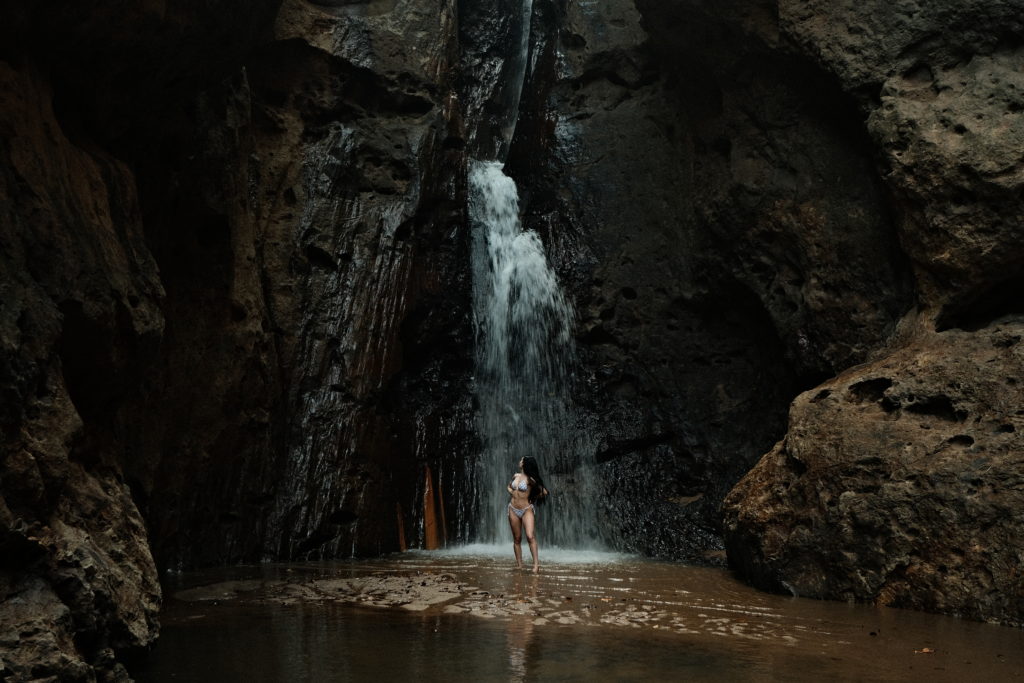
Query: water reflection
x=519, y=633
x=617, y=620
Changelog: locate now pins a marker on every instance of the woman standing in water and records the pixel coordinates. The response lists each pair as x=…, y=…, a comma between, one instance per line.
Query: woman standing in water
x=528, y=492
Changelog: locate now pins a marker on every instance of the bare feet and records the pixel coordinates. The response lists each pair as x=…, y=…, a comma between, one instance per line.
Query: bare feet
x=536, y=569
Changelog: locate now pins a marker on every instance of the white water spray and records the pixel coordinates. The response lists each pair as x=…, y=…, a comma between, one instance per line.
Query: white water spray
x=525, y=357
x=524, y=346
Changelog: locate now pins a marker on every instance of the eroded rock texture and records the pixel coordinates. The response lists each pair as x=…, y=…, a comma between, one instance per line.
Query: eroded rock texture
x=917, y=505
x=899, y=482
x=78, y=320
x=942, y=89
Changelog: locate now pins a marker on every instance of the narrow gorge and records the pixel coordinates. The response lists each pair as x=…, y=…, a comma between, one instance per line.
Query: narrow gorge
x=773, y=248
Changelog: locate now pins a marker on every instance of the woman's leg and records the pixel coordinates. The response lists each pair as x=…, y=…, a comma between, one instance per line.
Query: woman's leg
x=531, y=538
x=517, y=536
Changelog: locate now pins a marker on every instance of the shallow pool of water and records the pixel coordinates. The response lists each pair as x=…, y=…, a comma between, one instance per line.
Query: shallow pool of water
x=585, y=617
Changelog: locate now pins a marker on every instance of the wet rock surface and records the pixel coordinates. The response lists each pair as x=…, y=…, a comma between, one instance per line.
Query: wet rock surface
x=323, y=291
x=415, y=592
x=714, y=205
x=368, y=292
x=899, y=482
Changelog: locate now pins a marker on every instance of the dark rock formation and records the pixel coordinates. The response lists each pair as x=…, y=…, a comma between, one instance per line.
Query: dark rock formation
x=942, y=89
x=748, y=198
x=917, y=505
x=332, y=197
x=899, y=482
x=79, y=320
x=234, y=301
x=714, y=204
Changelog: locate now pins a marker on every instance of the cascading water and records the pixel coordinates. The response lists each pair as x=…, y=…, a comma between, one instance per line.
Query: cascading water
x=524, y=362
x=525, y=352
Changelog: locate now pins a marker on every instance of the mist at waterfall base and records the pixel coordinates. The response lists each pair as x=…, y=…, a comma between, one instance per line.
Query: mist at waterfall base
x=524, y=367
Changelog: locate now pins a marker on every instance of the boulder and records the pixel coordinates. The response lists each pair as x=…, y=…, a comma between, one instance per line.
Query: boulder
x=900, y=482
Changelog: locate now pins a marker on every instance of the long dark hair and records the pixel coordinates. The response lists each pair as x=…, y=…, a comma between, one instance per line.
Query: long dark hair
x=531, y=470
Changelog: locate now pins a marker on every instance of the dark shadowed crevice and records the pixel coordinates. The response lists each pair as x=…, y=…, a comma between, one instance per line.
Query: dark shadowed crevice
x=939, y=406
x=870, y=390
x=1003, y=299
x=85, y=357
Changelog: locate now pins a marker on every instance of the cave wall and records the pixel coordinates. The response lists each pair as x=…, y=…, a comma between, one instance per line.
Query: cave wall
x=84, y=319
x=235, y=314
x=715, y=207
x=80, y=317
x=331, y=167
x=748, y=199
x=898, y=481
x=234, y=302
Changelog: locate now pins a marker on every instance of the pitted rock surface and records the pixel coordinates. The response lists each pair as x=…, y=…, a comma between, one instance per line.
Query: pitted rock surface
x=900, y=482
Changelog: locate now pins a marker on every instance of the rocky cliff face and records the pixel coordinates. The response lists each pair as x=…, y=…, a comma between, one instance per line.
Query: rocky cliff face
x=330, y=171
x=749, y=198
x=235, y=313
x=914, y=506
x=718, y=213
x=235, y=304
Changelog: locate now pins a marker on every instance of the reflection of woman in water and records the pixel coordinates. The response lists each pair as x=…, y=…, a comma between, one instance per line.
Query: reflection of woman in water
x=528, y=492
x=522, y=654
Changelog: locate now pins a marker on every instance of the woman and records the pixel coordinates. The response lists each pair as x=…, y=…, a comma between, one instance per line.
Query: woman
x=527, y=491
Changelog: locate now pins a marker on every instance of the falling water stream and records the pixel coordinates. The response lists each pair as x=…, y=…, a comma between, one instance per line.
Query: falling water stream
x=524, y=364
x=525, y=353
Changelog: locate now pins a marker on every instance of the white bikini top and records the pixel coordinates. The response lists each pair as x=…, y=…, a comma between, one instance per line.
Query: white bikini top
x=523, y=485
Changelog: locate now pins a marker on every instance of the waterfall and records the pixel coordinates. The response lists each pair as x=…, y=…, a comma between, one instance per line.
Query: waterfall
x=525, y=354
x=524, y=362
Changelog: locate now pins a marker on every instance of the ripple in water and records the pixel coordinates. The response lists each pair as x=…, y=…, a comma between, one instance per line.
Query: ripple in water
x=628, y=619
